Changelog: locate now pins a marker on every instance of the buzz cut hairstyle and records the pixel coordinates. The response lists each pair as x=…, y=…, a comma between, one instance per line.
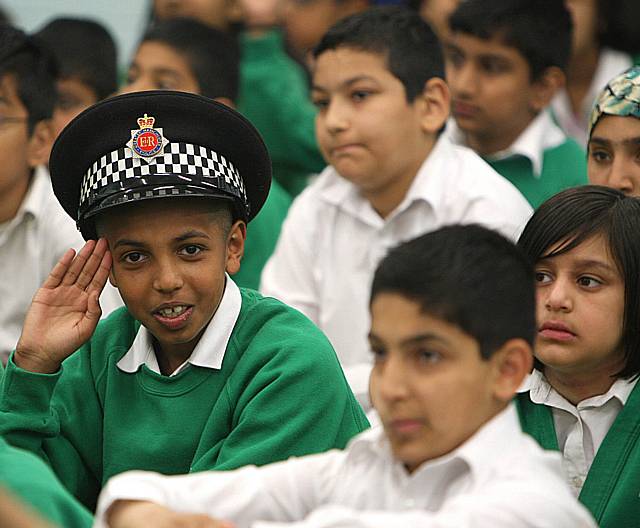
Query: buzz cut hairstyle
x=409, y=45
x=541, y=30
x=213, y=55
x=34, y=69
x=575, y=215
x=84, y=50
x=468, y=276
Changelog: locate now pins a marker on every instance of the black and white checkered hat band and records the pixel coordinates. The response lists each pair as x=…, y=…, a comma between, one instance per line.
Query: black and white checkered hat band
x=178, y=159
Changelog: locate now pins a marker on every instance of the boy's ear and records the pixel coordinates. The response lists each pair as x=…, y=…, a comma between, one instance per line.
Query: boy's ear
x=40, y=144
x=435, y=103
x=512, y=362
x=235, y=246
x=545, y=87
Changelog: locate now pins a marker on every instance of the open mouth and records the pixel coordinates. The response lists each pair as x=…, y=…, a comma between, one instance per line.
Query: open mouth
x=173, y=311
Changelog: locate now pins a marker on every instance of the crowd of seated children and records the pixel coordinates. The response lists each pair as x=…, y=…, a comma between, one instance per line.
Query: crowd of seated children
x=273, y=92
x=186, y=55
x=452, y=325
x=86, y=59
x=194, y=373
x=582, y=397
x=34, y=230
x=378, y=83
x=605, y=42
x=614, y=134
x=505, y=60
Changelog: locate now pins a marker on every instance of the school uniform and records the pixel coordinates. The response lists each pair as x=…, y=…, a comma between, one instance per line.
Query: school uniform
x=599, y=440
x=332, y=241
x=541, y=162
x=30, y=480
x=30, y=245
x=262, y=384
x=498, y=478
x=610, y=63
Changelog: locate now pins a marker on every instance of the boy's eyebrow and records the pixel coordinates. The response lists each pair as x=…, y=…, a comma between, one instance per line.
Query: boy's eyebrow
x=603, y=142
x=194, y=233
x=585, y=263
x=347, y=82
x=128, y=242
x=428, y=336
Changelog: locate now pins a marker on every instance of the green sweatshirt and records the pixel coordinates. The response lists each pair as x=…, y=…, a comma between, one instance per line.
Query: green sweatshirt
x=31, y=480
x=563, y=166
x=262, y=235
x=274, y=95
x=611, y=489
x=280, y=392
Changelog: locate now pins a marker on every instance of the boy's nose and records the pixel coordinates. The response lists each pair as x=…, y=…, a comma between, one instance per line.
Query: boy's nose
x=621, y=176
x=389, y=381
x=335, y=118
x=167, y=279
x=558, y=297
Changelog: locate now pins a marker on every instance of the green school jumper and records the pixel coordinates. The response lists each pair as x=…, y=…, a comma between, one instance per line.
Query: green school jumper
x=563, y=166
x=262, y=236
x=280, y=392
x=611, y=491
x=29, y=479
x=274, y=95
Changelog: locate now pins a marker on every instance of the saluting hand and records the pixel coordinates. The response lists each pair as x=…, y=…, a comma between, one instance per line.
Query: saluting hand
x=65, y=311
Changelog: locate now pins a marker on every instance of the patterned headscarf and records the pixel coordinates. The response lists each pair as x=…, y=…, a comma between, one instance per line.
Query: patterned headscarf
x=621, y=97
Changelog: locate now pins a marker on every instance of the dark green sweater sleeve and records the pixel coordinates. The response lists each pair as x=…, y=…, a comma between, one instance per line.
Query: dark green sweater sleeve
x=32, y=481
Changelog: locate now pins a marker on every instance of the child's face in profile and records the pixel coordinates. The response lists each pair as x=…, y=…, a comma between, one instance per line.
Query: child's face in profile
x=493, y=97
x=429, y=383
x=365, y=126
x=580, y=311
x=169, y=263
x=614, y=154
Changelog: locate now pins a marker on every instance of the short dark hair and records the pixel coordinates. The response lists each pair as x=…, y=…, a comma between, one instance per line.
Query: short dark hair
x=572, y=216
x=540, y=30
x=469, y=276
x=411, y=48
x=213, y=55
x=84, y=50
x=24, y=57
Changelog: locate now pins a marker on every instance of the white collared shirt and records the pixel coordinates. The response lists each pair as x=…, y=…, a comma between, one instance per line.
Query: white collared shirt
x=610, y=63
x=209, y=352
x=30, y=246
x=499, y=478
x=580, y=429
x=332, y=241
x=540, y=135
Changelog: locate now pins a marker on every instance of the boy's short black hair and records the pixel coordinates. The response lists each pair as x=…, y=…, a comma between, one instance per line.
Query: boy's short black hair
x=575, y=215
x=469, y=276
x=212, y=54
x=540, y=30
x=84, y=50
x=34, y=69
x=411, y=48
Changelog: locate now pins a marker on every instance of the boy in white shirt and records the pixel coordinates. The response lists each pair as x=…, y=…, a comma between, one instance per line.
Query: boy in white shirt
x=450, y=452
x=382, y=102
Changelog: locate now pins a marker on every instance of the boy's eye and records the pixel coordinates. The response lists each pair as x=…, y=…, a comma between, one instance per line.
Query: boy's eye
x=589, y=282
x=543, y=277
x=133, y=258
x=600, y=156
x=320, y=102
x=427, y=356
x=455, y=58
x=191, y=250
x=494, y=66
x=360, y=95
x=378, y=354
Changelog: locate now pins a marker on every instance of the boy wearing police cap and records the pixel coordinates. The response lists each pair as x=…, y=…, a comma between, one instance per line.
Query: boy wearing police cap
x=195, y=373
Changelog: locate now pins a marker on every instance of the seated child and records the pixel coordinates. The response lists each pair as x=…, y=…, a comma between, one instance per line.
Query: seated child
x=450, y=452
x=378, y=84
x=87, y=63
x=29, y=479
x=34, y=230
x=195, y=373
x=505, y=60
x=186, y=55
x=614, y=134
x=274, y=91
x=583, y=397
x=605, y=38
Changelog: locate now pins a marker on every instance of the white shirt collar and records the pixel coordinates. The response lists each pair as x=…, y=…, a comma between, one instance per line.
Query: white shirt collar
x=541, y=134
x=343, y=194
x=493, y=436
x=210, y=350
x=542, y=392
